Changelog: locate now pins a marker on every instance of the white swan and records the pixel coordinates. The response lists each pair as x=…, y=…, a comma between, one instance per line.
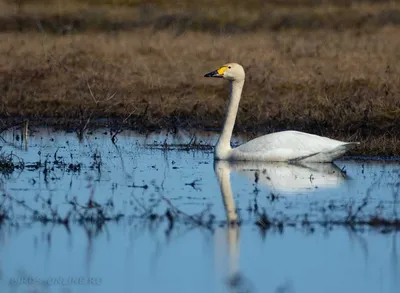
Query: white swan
x=279, y=146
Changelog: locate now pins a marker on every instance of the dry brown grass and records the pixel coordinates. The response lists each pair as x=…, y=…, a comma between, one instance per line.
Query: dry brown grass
x=225, y=16
x=340, y=83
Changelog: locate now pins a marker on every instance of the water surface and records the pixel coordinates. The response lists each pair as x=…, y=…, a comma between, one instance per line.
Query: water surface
x=309, y=248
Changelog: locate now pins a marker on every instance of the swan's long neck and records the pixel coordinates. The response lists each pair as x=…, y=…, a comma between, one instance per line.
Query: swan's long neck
x=223, y=146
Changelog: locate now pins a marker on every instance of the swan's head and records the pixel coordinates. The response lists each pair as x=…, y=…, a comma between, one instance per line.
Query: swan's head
x=229, y=71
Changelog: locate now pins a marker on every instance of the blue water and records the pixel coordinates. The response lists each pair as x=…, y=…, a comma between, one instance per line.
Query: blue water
x=136, y=254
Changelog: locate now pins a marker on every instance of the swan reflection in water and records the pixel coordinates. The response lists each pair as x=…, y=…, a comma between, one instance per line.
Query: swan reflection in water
x=279, y=177
x=288, y=178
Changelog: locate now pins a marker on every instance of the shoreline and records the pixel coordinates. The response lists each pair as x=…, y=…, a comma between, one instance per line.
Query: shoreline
x=370, y=147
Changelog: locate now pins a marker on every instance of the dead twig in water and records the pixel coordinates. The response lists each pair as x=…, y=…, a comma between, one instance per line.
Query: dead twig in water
x=193, y=184
x=197, y=220
x=120, y=129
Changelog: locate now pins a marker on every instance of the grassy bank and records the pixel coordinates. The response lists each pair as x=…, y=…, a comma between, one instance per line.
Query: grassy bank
x=341, y=82
x=235, y=16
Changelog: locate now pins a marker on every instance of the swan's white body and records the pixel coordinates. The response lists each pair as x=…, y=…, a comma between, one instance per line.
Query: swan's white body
x=284, y=146
x=288, y=146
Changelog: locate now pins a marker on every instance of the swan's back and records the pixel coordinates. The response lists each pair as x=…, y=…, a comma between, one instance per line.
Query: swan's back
x=291, y=145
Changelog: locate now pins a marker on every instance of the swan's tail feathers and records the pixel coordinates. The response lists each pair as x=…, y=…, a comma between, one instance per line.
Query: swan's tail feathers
x=337, y=152
x=351, y=145
x=326, y=156
x=342, y=149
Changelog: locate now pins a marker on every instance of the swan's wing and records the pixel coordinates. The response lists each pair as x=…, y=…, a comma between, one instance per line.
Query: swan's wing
x=297, y=141
x=291, y=145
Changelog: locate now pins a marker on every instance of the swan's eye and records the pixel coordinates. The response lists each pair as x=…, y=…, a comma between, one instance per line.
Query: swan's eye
x=229, y=67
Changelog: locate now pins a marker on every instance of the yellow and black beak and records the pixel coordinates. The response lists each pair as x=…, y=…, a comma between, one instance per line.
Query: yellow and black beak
x=213, y=74
x=217, y=73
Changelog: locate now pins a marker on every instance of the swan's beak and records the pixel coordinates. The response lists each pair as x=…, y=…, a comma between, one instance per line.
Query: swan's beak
x=213, y=74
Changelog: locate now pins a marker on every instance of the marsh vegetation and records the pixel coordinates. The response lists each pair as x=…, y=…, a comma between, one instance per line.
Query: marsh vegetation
x=324, y=67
